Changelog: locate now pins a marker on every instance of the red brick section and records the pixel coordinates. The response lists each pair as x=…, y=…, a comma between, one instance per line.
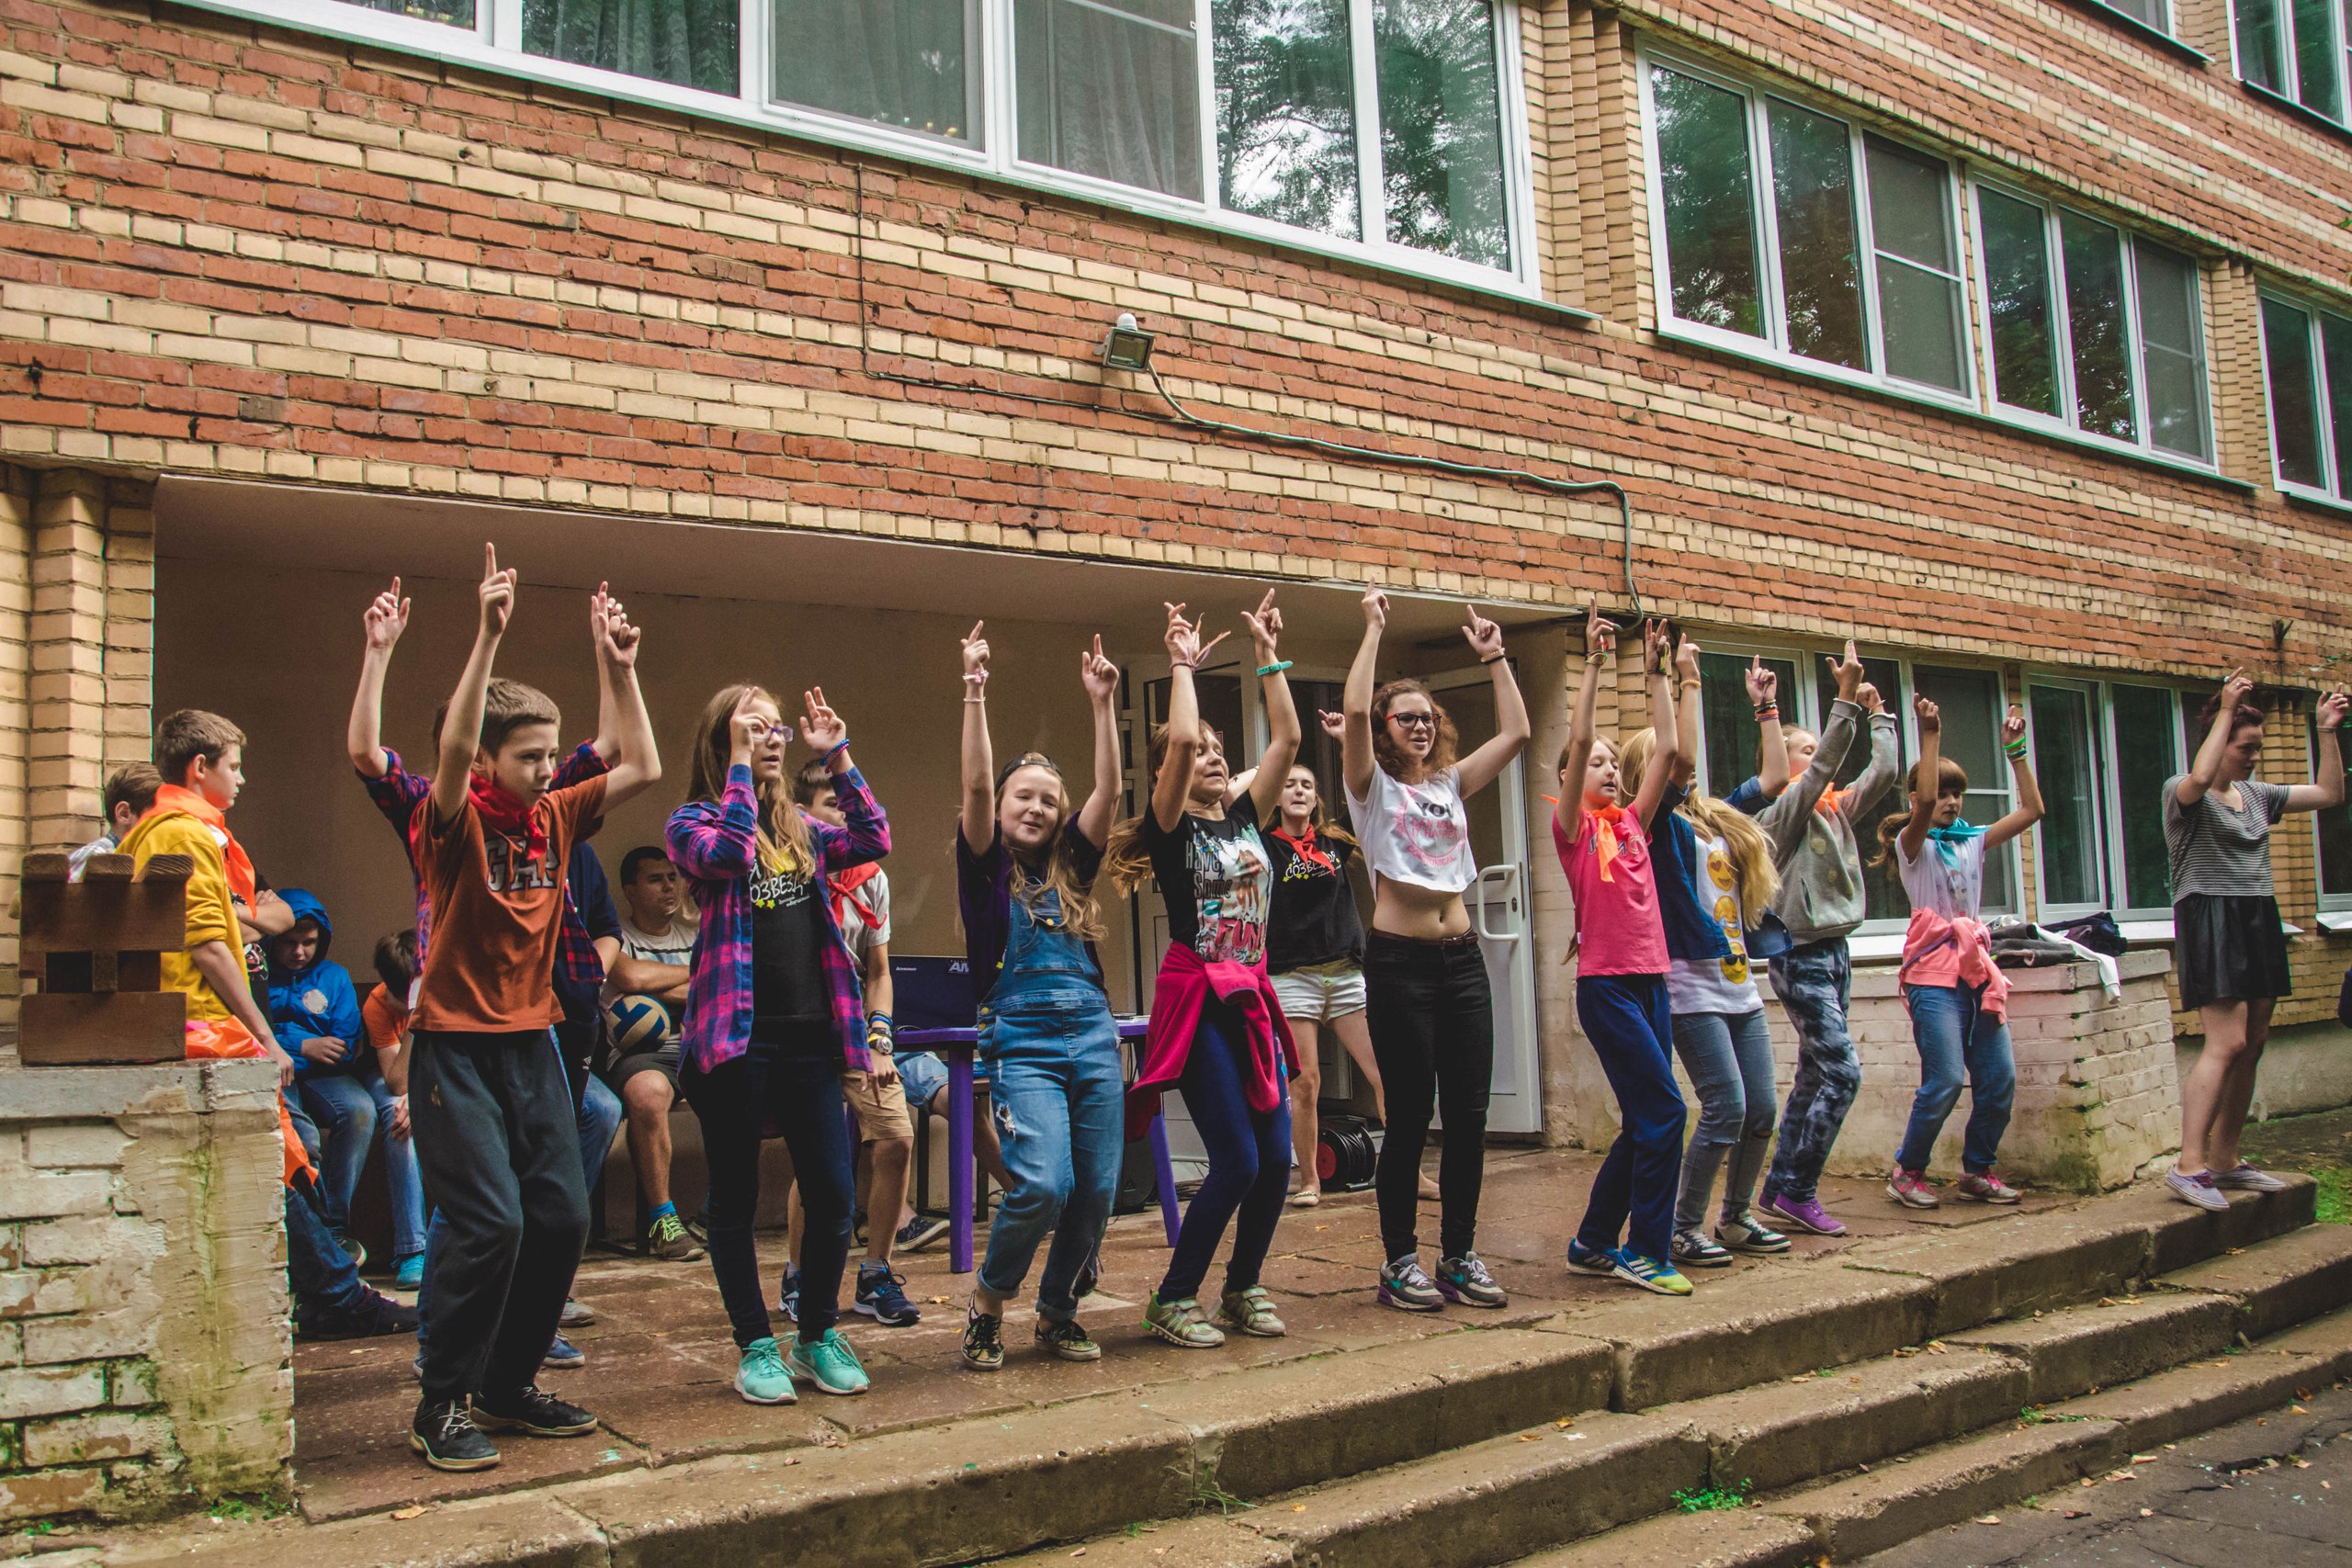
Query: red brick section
x=126, y=182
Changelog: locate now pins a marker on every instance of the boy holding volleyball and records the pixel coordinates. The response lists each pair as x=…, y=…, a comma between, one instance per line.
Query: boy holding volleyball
x=645, y=998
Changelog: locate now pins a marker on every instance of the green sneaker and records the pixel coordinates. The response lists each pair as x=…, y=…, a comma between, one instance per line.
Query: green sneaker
x=762, y=1378
x=829, y=1364
x=1181, y=1324
x=1251, y=1311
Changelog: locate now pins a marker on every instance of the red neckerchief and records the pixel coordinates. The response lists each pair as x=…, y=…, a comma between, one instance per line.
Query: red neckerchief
x=1307, y=850
x=504, y=810
x=238, y=865
x=845, y=884
x=1604, y=837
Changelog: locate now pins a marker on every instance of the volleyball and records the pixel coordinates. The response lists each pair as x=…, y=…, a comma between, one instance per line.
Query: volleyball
x=637, y=1023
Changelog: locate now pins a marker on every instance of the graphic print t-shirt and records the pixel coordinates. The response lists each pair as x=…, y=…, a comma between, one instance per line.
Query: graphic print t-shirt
x=496, y=913
x=1217, y=880
x=1417, y=832
x=1314, y=919
x=1716, y=985
x=788, y=968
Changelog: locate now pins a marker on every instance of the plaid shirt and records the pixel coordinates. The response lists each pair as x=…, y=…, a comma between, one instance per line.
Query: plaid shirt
x=715, y=844
x=398, y=793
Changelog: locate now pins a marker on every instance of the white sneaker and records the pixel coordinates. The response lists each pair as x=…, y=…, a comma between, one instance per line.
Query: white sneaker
x=2249, y=1179
x=2200, y=1189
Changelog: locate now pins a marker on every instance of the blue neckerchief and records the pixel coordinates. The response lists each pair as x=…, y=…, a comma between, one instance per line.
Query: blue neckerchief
x=1949, y=839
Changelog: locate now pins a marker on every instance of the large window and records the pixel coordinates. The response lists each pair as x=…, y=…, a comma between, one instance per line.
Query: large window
x=2334, y=831
x=2295, y=48
x=2101, y=754
x=1793, y=230
x=2091, y=327
x=2307, y=359
x=1385, y=129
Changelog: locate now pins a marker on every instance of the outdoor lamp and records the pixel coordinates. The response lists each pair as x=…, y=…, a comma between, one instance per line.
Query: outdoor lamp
x=1128, y=348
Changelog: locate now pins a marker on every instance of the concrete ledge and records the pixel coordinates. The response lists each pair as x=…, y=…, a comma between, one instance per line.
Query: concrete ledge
x=1725, y=1539
x=146, y=1088
x=2213, y=1392
x=2179, y=1235
x=481, y=1532
x=2281, y=1281
x=1183, y=1543
x=1982, y=1272
x=2067, y=1353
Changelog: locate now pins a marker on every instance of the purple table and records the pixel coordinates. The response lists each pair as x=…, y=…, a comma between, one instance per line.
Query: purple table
x=957, y=1045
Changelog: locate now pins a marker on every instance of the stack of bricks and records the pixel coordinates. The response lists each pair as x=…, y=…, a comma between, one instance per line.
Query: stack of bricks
x=143, y=1340
x=2098, y=1096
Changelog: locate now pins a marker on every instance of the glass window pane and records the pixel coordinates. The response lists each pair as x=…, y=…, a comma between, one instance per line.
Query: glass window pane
x=689, y=43
x=1286, y=113
x=1110, y=88
x=1972, y=707
x=2016, y=283
x=2334, y=835
x=1813, y=203
x=2096, y=323
x=2146, y=754
x=2063, y=765
x=2260, y=50
x=1883, y=673
x=1707, y=180
x=2172, y=347
x=1881, y=882
x=1918, y=286
x=2317, y=74
x=1440, y=128
x=2336, y=349
x=1727, y=719
x=454, y=12
x=2149, y=11
x=2294, y=400
x=896, y=62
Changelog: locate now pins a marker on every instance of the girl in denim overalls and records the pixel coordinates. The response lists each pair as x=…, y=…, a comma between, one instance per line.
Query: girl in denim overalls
x=1023, y=865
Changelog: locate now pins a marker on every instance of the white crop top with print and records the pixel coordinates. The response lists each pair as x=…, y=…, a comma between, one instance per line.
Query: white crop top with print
x=1416, y=833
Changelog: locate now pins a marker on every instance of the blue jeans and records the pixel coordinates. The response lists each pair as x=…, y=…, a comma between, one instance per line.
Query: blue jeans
x=325, y=1282
x=1060, y=1098
x=1814, y=983
x=354, y=1115
x=1729, y=1058
x=1956, y=1035
x=1248, y=1159
x=1626, y=1018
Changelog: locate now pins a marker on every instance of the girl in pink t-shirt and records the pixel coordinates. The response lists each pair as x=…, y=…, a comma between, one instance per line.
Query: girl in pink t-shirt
x=1620, y=976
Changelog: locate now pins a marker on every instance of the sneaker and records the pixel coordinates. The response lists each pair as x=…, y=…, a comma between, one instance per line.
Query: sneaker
x=1405, y=1288
x=1252, y=1310
x=408, y=1274
x=1583, y=1259
x=1910, y=1189
x=531, y=1410
x=787, y=1299
x=1067, y=1340
x=2248, y=1178
x=444, y=1433
x=2201, y=1189
x=761, y=1377
x=1464, y=1282
x=371, y=1317
x=666, y=1239
x=1181, y=1323
x=1648, y=1273
x=983, y=1340
x=1804, y=1214
x=919, y=1233
x=576, y=1315
x=1749, y=1234
x=1986, y=1187
x=1694, y=1247
x=829, y=1364
x=354, y=1249
x=882, y=1297
x=699, y=1229
x=563, y=1355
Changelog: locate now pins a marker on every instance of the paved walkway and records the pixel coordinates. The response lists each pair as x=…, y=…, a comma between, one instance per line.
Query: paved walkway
x=660, y=1363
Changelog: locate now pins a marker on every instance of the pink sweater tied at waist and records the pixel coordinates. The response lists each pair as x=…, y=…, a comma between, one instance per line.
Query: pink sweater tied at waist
x=1942, y=952
x=1186, y=983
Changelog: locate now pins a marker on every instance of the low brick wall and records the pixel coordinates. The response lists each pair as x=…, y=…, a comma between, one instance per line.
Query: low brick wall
x=144, y=1316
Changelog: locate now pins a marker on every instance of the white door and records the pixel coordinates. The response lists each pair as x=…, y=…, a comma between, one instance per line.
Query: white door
x=1499, y=904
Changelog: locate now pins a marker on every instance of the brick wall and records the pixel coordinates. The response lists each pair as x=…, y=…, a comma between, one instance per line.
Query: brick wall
x=143, y=1331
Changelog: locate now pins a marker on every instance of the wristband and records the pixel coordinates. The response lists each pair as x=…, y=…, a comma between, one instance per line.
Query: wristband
x=1596, y=657
x=1274, y=668
x=1690, y=683
x=975, y=677
x=1769, y=711
x=880, y=1037
x=1497, y=659
x=2015, y=750
x=836, y=749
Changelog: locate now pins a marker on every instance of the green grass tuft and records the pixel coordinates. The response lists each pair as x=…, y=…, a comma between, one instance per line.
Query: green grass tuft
x=1712, y=1499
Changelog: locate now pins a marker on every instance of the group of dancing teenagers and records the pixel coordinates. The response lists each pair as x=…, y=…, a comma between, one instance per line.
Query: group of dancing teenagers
x=1676, y=895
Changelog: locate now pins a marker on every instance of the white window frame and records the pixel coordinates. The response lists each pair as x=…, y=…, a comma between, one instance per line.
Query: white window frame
x=2322, y=401
x=2108, y=804
x=2063, y=423
x=2291, y=91
x=2328, y=902
x=2119, y=884
x=494, y=44
x=1765, y=229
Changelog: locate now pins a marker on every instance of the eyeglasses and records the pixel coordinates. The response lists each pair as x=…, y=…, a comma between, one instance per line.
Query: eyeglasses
x=761, y=731
x=1414, y=720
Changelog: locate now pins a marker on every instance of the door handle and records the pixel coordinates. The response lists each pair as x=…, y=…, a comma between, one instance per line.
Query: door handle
x=1503, y=881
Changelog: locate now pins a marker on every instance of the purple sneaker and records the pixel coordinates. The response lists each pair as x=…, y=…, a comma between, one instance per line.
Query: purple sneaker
x=1804, y=1214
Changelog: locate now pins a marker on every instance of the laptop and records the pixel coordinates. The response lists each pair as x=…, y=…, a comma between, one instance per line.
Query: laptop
x=932, y=993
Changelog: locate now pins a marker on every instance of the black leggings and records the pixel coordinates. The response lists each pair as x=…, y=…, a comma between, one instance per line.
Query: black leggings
x=1432, y=1021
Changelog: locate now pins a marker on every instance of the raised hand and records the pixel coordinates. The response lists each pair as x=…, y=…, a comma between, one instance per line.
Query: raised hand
x=2013, y=726
x=1931, y=717
x=976, y=652
x=1600, y=635
x=1847, y=672
x=2236, y=690
x=1763, y=684
x=745, y=729
x=1867, y=697
x=1100, y=676
x=1335, y=725
x=1376, y=609
x=2330, y=709
x=616, y=636
x=385, y=619
x=820, y=726
x=1686, y=658
x=1654, y=646
x=1183, y=639
x=497, y=593
x=1265, y=624
x=1484, y=638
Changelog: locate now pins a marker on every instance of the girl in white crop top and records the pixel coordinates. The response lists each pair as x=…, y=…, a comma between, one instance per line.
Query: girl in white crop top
x=1427, y=1000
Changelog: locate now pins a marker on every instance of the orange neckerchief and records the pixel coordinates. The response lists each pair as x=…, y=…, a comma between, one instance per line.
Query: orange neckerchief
x=1604, y=836
x=1307, y=850
x=1831, y=798
x=240, y=866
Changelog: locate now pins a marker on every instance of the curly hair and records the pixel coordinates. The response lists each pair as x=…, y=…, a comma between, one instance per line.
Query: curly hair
x=1444, y=747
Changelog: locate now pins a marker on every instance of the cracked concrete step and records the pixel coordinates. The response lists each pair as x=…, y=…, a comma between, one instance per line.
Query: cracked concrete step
x=2279, y=1281
x=2115, y=1341
x=1744, y=1538
x=2220, y=1388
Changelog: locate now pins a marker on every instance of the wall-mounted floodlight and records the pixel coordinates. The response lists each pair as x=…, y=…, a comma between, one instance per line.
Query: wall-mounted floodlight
x=1128, y=348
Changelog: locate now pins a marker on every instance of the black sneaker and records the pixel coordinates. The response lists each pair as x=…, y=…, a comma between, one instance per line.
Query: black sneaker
x=983, y=1340
x=527, y=1409
x=919, y=1233
x=446, y=1434
x=373, y=1316
x=881, y=1295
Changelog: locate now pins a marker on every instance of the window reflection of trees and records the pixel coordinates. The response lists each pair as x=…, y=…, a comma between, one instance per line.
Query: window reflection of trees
x=1706, y=179
x=1285, y=107
x=1821, y=283
x=1440, y=128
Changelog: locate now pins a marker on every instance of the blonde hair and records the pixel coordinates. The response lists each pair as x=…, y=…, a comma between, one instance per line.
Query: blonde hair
x=1753, y=876
x=784, y=844
x=1055, y=871
x=1125, y=860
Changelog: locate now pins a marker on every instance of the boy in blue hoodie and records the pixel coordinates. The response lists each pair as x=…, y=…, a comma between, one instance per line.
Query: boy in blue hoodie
x=314, y=1011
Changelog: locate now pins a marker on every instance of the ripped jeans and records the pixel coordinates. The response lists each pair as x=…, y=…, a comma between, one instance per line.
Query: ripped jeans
x=1059, y=1103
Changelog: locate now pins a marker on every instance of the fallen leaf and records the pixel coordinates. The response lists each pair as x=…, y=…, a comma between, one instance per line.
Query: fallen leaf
x=1576, y=1437
x=2235, y=1251
x=1080, y=1552
x=2077, y=1514
x=1565, y=1422
x=2143, y=1459
x=2297, y=1410
x=411, y=1511
x=1988, y=1518
x=1529, y=1437
x=2088, y=1480
x=2122, y=1475
x=1298, y=1507
x=2147, y=1513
